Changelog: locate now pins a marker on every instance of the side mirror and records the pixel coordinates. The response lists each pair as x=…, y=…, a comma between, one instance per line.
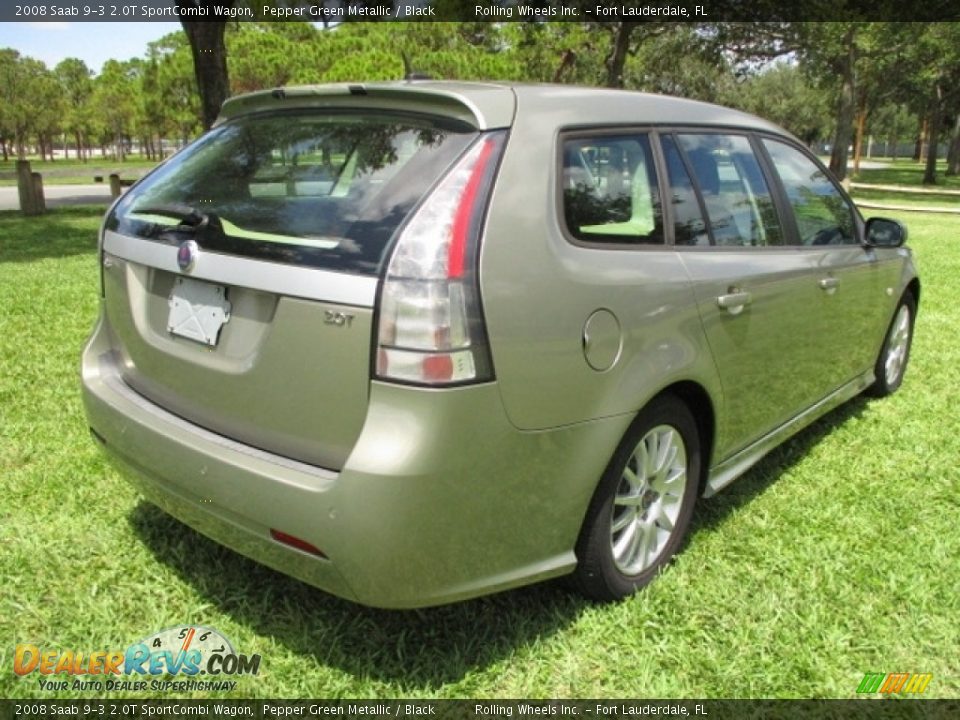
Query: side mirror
x=883, y=232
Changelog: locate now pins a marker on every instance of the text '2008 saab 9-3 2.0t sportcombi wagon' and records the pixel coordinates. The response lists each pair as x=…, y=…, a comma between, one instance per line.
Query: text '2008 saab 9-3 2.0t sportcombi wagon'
x=417, y=342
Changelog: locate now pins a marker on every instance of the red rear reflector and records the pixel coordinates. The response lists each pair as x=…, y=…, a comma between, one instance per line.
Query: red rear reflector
x=296, y=542
x=461, y=221
x=437, y=367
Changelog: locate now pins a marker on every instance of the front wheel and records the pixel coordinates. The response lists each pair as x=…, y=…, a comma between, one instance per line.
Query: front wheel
x=895, y=353
x=642, y=507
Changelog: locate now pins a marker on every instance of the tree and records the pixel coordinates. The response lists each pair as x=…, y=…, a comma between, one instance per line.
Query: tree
x=171, y=99
x=47, y=105
x=555, y=52
x=209, y=54
x=831, y=51
x=14, y=100
x=117, y=99
x=892, y=121
x=30, y=102
x=783, y=94
x=682, y=61
x=625, y=40
x=9, y=98
x=76, y=85
x=935, y=56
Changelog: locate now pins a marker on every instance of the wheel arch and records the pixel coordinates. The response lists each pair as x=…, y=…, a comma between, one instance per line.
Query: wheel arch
x=698, y=401
x=913, y=287
x=701, y=406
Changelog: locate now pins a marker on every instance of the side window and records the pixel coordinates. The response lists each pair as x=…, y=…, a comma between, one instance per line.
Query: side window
x=610, y=190
x=824, y=217
x=689, y=227
x=739, y=204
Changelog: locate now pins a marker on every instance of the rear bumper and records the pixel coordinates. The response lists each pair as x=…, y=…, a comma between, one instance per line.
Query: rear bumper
x=441, y=498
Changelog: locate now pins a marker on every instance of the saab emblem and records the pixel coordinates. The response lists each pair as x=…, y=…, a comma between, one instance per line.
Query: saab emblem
x=187, y=255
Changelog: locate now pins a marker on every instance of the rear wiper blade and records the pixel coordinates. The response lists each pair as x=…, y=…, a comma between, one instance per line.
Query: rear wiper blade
x=189, y=217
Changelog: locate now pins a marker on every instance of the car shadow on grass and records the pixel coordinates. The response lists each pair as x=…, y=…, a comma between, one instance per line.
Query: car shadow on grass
x=756, y=480
x=420, y=649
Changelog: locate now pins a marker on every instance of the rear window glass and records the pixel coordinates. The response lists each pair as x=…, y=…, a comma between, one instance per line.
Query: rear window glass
x=688, y=225
x=738, y=202
x=320, y=189
x=610, y=190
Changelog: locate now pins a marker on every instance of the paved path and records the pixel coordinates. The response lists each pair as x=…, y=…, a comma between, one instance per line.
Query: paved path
x=907, y=208
x=60, y=195
x=924, y=190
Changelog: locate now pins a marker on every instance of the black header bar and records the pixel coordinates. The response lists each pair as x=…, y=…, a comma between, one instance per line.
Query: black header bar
x=335, y=11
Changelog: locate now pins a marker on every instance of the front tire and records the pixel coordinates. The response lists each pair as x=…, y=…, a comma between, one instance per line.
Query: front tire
x=895, y=353
x=642, y=507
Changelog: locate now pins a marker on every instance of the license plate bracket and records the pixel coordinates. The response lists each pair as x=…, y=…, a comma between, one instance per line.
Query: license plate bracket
x=198, y=310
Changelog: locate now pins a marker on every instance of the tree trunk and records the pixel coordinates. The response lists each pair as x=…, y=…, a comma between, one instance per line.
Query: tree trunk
x=567, y=60
x=845, y=109
x=930, y=172
x=925, y=140
x=858, y=140
x=209, y=59
x=918, y=151
x=953, y=153
x=6, y=156
x=617, y=58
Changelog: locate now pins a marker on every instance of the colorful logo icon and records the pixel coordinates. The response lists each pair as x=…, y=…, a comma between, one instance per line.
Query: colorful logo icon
x=895, y=683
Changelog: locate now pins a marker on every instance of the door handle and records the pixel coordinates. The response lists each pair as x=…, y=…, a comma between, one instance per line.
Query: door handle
x=829, y=284
x=734, y=301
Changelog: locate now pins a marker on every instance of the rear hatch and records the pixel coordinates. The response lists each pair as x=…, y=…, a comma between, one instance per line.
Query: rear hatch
x=240, y=277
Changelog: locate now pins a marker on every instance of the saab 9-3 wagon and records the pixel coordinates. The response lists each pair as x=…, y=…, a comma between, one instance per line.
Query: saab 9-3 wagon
x=416, y=342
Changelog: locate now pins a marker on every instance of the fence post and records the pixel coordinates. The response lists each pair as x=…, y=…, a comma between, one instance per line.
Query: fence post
x=114, y=185
x=38, y=197
x=26, y=189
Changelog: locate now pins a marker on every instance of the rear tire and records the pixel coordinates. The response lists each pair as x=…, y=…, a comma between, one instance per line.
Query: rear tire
x=895, y=353
x=640, y=512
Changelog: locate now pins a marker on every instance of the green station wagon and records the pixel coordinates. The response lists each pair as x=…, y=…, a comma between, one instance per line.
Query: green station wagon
x=417, y=342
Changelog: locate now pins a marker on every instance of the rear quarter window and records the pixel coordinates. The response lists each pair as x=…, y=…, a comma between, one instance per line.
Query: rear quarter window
x=320, y=189
x=609, y=190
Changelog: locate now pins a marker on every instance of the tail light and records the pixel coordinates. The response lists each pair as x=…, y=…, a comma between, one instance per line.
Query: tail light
x=431, y=329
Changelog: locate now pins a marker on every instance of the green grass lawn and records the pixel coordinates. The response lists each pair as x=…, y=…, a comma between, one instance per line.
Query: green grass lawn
x=906, y=172
x=75, y=172
x=835, y=556
x=903, y=199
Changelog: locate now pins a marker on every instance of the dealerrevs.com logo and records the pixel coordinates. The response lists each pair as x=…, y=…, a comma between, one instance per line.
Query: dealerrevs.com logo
x=201, y=656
